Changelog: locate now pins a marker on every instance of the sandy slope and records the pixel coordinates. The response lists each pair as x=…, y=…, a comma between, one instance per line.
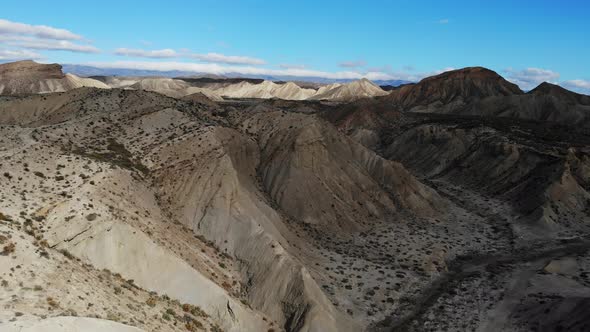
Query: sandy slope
x=265, y=90
x=350, y=91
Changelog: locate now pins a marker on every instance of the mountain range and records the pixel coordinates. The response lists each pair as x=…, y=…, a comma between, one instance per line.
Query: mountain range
x=83, y=70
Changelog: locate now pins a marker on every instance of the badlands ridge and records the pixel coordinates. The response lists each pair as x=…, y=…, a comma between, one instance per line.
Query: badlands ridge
x=28, y=77
x=155, y=204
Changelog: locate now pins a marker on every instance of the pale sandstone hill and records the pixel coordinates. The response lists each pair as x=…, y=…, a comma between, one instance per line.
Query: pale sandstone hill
x=172, y=88
x=179, y=88
x=167, y=86
x=291, y=91
x=328, y=87
x=28, y=77
x=362, y=88
x=117, y=82
x=265, y=90
x=159, y=83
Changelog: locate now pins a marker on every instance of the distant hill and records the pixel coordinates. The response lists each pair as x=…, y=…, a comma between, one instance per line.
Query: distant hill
x=29, y=77
x=82, y=70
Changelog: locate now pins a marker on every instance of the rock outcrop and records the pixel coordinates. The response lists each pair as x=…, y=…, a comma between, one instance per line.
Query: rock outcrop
x=29, y=77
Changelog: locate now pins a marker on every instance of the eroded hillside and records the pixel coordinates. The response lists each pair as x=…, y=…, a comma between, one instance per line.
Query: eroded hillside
x=129, y=209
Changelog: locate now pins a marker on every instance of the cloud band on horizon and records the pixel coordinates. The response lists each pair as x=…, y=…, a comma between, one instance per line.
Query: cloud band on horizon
x=170, y=53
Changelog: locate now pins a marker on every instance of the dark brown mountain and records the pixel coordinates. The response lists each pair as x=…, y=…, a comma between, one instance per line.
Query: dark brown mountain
x=560, y=93
x=478, y=91
x=29, y=77
x=30, y=69
x=24, y=77
x=455, y=88
x=547, y=102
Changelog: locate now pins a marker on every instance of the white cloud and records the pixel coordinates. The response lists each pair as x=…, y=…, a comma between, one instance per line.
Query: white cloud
x=54, y=45
x=212, y=68
x=229, y=59
x=14, y=55
x=443, y=21
x=219, y=69
x=184, y=53
x=40, y=31
x=41, y=37
x=580, y=86
x=165, y=53
x=438, y=71
x=529, y=78
x=352, y=64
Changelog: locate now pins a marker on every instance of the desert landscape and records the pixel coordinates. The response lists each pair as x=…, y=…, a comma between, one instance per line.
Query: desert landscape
x=308, y=166
x=158, y=204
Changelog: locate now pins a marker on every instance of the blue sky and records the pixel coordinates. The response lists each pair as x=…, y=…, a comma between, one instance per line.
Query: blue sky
x=525, y=41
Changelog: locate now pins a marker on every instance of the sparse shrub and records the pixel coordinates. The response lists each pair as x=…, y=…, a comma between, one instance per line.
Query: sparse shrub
x=66, y=253
x=194, y=310
x=8, y=249
x=112, y=316
x=216, y=328
x=52, y=302
x=194, y=325
x=151, y=302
